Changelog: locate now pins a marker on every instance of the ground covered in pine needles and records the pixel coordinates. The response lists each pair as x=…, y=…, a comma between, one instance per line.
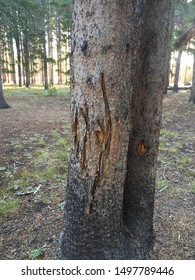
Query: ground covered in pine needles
x=34, y=152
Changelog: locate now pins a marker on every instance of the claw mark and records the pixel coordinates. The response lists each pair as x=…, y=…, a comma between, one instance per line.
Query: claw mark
x=104, y=139
x=76, y=133
x=85, y=115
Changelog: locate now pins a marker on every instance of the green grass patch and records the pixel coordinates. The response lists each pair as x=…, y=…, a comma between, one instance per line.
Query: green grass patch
x=183, y=161
x=37, y=254
x=161, y=183
x=169, y=133
x=190, y=172
x=36, y=90
x=176, y=190
x=8, y=205
x=192, y=185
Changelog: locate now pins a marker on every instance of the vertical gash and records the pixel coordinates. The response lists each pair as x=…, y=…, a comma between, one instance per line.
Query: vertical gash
x=104, y=118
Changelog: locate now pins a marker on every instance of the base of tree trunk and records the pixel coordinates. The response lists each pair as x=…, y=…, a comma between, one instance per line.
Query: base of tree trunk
x=175, y=89
x=125, y=247
x=4, y=105
x=192, y=98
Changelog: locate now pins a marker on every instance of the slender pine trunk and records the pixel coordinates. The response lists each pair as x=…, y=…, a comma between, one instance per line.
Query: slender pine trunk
x=192, y=94
x=176, y=79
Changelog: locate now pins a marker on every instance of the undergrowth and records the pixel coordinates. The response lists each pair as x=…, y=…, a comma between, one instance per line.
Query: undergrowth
x=38, y=171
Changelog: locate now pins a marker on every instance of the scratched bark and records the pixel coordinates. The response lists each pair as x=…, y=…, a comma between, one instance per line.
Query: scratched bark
x=101, y=114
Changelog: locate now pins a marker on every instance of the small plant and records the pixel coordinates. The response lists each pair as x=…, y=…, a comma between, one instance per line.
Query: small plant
x=7, y=206
x=2, y=168
x=61, y=205
x=41, y=143
x=193, y=187
x=176, y=190
x=184, y=160
x=51, y=89
x=37, y=254
x=161, y=183
x=55, y=134
x=62, y=142
x=190, y=172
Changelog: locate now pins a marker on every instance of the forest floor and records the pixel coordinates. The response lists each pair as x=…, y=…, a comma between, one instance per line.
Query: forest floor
x=34, y=151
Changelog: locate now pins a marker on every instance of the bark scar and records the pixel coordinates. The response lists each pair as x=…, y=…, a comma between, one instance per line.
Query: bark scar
x=141, y=148
x=85, y=115
x=76, y=133
x=104, y=139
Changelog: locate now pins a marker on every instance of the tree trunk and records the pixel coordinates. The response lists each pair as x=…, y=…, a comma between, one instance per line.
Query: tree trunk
x=59, y=57
x=26, y=58
x=148, y=76
x=19, y=60
x=3, y=103
x=192, y=95
x=12, y=62
x=45, y=63
x=168, y=53
x=50, y=43
x=103, y=116
x=176, y=79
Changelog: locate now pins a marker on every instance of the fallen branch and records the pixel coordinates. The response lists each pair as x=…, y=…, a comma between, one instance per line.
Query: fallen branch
x=163, y=189
x=30, y=192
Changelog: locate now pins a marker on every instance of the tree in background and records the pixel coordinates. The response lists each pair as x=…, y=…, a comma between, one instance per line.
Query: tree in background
x=31, y=27
x=183, y=18
x=186, y=40
x=3, y=103
x=117, y=83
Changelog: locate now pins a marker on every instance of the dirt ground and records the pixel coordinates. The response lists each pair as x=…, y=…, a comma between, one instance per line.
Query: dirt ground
x=36, y=224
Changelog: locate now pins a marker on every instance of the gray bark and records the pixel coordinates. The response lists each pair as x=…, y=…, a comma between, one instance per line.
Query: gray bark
x=109, y=107
x=148, y=75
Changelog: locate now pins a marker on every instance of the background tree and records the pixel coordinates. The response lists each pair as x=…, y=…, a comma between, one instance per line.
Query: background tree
x=3, y=103
x=183, y=17
x=186, y=40
x=117, y=84
x=180, y=24
x=31, y=27
x=192, y=94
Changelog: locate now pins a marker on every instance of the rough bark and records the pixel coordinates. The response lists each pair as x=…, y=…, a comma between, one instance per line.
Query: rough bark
x=192, y=94
x=176, y=78
x=100, y=88
x=148, y=75
x=117, y=83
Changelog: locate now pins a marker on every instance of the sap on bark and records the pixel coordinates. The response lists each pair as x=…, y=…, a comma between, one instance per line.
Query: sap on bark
x=141, y=148
x=100, y=135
